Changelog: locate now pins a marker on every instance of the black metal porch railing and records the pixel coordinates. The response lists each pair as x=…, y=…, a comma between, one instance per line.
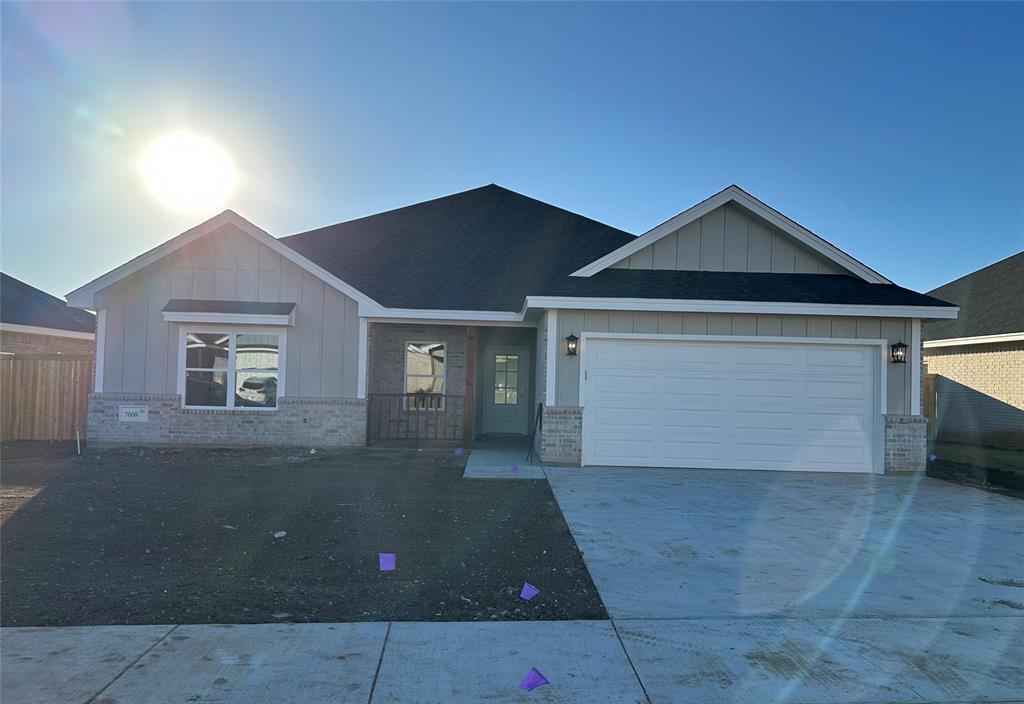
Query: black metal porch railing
x=415, y=417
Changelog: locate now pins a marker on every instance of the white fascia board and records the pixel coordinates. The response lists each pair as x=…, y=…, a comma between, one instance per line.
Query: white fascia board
x=738, y=195
x=229, y=318
x=978, y=340
x=462, y=316
x=52, y=332
x=668, y=305
x=83, y=297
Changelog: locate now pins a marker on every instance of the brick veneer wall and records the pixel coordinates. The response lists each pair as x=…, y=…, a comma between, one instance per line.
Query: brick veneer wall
x=906, y=443
x=980, y=393
x=561, y=437
x=386, y=370
x=296, y=422
x=29, y=343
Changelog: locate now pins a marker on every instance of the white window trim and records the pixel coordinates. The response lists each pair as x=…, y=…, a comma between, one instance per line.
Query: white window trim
x=282, y=336
x=881, y=383
x=405, y=374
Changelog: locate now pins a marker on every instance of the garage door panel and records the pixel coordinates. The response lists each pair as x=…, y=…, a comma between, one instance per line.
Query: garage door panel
x=747, y=405
x=765, y=420
x=694, y=450
x=680, y=419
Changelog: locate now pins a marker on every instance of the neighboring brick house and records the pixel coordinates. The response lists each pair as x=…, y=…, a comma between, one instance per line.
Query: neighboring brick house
x=978, y=359
x=34, y=322
x=47, y=350
x=727, y=337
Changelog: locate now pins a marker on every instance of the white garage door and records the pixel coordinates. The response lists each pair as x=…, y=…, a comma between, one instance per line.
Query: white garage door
x=730, y=405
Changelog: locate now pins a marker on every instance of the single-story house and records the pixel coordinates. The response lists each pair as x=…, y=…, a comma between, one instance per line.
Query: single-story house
x=46, y=364
x=727, y=337
x=34, y=322
x=978, y=358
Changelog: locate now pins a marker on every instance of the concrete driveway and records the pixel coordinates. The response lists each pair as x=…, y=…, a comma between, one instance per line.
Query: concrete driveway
x=761, y=586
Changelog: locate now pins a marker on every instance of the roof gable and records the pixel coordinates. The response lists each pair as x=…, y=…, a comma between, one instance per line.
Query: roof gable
x=85, y=296
x=803, y=238
x=989, y=299
x=25, y=305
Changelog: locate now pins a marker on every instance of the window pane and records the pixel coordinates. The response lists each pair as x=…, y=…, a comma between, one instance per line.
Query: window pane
x=424, y=385
x=499, y=363
x=513, y=362
x=511, y=396
x=424, y=358
x=512, y=380
x=206, y=388
x=256, y=352
x=206, y=350
x=499, y=397
x=256, y=389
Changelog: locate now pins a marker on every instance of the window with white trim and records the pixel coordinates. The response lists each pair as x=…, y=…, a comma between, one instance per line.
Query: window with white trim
x=232, y=369
x=424, y=374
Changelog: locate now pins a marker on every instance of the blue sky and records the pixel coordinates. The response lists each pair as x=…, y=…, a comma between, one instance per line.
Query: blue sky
x=896, y=131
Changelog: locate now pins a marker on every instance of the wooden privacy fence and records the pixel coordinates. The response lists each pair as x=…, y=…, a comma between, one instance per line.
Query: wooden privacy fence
x=44, y=396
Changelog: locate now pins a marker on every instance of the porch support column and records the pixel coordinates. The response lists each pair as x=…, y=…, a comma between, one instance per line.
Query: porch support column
x=364, y=341
x=470, y=413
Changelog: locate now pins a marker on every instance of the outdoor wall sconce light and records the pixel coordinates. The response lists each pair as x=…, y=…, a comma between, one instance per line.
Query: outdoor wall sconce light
x=571, y=345
x=898, y=353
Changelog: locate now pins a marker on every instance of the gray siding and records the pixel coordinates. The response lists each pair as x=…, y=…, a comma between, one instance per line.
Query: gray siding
x=141, y=350
x=577, y=321
x=730, y=238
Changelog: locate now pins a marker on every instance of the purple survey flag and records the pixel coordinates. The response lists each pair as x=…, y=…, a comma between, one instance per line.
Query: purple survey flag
x=529, y=591
x=515, y=468
x=533, y=680
x=458, y=450
x=387, y=561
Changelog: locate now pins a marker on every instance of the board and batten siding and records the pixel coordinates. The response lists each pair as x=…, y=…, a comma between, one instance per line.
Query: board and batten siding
x=730, y=238
x=141, y=350
x=567, y=373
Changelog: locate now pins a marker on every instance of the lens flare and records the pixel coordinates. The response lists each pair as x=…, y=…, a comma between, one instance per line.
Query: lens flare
x=188, y=173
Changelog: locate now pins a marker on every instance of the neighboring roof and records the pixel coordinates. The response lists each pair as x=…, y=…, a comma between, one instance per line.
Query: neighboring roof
x=483, y=249
x=21, y=304
x=991, y=302
x=735, y=194
x=195, y=305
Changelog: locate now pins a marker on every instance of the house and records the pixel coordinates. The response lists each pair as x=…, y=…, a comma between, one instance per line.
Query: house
x=978, y=358
x=34, y=322
x=46, y=364
x=727, y=337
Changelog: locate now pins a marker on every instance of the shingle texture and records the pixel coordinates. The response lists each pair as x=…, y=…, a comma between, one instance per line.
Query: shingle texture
x=991, y=302
x=21, y=304
x=489, y=248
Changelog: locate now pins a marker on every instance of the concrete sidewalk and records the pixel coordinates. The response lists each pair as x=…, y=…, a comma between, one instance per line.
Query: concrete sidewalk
x=591, y=662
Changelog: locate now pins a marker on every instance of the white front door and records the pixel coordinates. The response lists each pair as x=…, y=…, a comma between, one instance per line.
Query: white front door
x=730, y=405
x=506, y=390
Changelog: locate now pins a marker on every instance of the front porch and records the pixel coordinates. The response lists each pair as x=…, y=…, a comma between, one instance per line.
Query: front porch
x=449, y=385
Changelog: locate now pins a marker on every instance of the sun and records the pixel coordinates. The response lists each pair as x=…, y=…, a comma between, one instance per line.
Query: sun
x=187, y=172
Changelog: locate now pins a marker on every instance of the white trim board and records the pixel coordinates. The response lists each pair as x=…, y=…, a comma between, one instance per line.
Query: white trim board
x=52, y=332
x=551, y=358
x=229, y=318
x=881, y=380
x=84, y=296
x=738, y=195
x=978, y=340
x=915, y=367
x=101, y=348
x=669, y=305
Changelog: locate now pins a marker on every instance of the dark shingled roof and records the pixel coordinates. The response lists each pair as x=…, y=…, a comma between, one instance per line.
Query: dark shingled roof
x=489, y=248
x=991, y=302
x=196, y=305
x=21, y=304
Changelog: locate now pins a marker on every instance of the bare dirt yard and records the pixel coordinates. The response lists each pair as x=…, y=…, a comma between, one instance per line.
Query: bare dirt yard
x=188, y=536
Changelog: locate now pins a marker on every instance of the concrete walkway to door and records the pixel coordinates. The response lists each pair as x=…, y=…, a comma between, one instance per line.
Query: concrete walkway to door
x=761, y=586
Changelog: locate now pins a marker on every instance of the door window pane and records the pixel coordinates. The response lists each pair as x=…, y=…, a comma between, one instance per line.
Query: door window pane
x=506, y=379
